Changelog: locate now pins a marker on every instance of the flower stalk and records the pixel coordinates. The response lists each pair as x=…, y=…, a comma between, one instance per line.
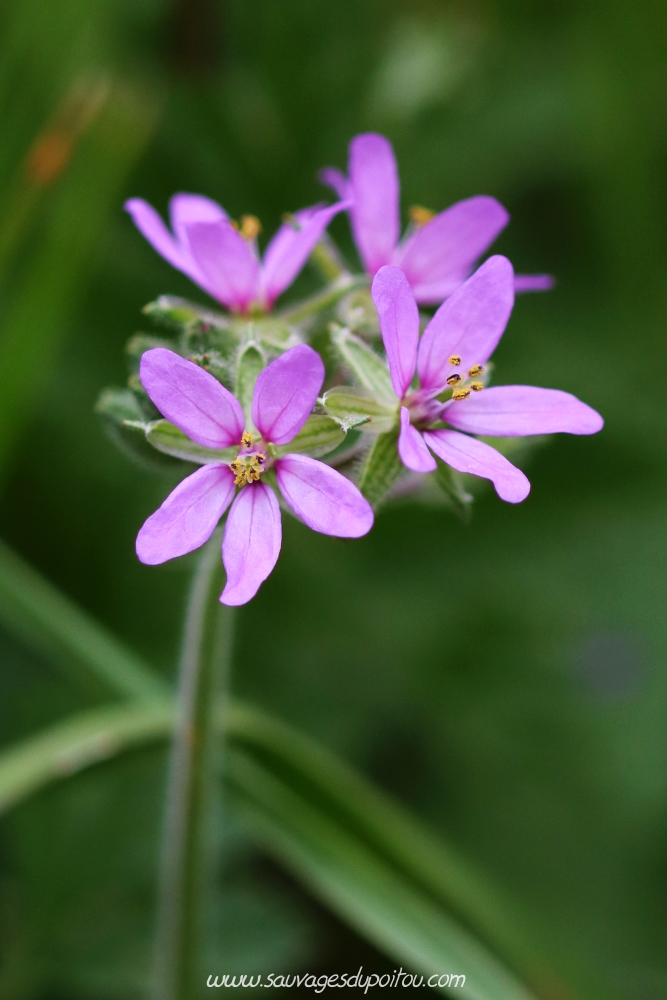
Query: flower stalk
x=192, y=828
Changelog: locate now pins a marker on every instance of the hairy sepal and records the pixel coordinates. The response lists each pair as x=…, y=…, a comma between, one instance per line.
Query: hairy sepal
x=346, y=403
x=381, y=468
x=318, y=436
x=364, y=363
x=451, y=483
x=250, y=363
x=166, y=438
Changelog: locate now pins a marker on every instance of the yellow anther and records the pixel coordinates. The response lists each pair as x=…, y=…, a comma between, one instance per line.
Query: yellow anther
x=476, y=386
x=251, y=227
x=475, y=370
x=455, y=360
x=420, y=215
x=246, y=439
x=248, y=468
x=453, y=379
x=461, y=393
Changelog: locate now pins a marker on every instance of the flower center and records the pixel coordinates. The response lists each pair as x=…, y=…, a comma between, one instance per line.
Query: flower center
x=461, y=384
x=249, y=464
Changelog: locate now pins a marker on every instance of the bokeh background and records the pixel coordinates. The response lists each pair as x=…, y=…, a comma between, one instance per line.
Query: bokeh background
x=506, y=679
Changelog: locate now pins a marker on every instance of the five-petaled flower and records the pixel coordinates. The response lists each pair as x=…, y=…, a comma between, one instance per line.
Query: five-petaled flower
x=439, y=251
x=285, y=393
x=222, y=258
x=449, y=359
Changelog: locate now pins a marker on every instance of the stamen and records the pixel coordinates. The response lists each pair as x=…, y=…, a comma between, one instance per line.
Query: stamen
x=250, y=227
x=475, y=370
x=461, y=393
x=248, y=468
x=420, y=215
x=476, y=386
x=453, y=379
x=455, y=360
x=246, y=439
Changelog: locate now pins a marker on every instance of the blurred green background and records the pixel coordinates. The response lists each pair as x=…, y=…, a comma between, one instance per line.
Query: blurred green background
x=505, y=679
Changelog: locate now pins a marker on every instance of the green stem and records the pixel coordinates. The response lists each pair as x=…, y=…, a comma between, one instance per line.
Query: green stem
x=191, y=831
x=304, y=310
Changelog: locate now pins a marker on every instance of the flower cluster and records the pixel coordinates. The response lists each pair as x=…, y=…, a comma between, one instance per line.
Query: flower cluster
x=238, y=393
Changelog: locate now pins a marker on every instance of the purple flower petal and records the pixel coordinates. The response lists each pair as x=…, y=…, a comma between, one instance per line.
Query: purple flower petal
x=151, y=226
x=188, y=516
x=399, y=323
x=290, y=248
x=411, y=447
x=191, y=398
x=469, y=324
x=187, y=208
x=467, y=454
x=517, y=410
x=336, y=181
x=324, y=499
x=251, y=543
x=533, y=282
x=444, y=251
x=285, y=393
x=226, y=261
x=375, y=189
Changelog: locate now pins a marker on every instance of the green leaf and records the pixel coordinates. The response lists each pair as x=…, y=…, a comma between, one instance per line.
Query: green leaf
x=371, y=371
x=452, y=485
x=359, y=852
x=68, y=747
x=382, y=467
x=355, y=881
x=250, y=363
x=318, y=436
x=169, y=440
x=38, y=614
x=345, y=402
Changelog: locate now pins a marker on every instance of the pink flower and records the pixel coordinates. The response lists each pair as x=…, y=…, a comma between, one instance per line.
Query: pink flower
x=224, y=260
x=449, y=360
x=440, y=252
x=209, y=414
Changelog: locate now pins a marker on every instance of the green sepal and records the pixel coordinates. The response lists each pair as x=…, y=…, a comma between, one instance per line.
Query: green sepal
x=318, y=436
x=166, y=438
x=346, y=403
x=381, y=468
x=274, y=334
x=357, y=312
x=139, y=344
x=181, y=314
x=124, y=422
x=371, y=371
x=451, y=483
x=250, y=363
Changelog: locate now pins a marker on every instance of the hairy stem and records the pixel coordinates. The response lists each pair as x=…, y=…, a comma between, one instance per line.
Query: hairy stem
x=323, y=300
x=192, y=821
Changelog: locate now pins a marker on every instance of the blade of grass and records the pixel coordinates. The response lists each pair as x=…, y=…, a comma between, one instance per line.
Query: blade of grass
x=357, y=883
x=39, y=615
